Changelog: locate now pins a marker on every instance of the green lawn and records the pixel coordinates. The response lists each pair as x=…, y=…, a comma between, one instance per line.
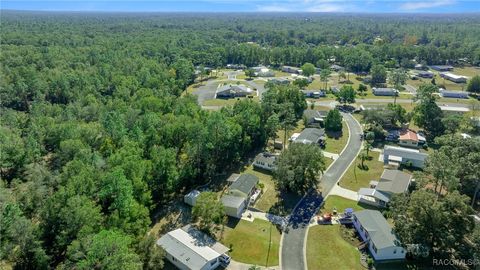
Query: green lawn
x=326, y=249
x=356, y=178
x=341, y=204
x=273, y=201
x=335, y=142
x=370, y=95
x=254, y=242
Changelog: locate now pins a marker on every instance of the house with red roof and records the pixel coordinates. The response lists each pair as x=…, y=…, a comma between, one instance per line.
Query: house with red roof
x=408, y=138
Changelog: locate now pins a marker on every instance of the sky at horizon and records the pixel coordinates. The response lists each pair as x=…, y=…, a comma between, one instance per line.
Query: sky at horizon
x=360, y=6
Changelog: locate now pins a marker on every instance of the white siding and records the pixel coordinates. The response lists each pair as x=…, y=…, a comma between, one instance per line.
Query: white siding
x=389, y=253
x=213, y=264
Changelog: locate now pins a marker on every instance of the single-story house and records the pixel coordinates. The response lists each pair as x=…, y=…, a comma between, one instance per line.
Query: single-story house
x=425, y=74
x=391, y=182
x=335, y=89
x=454, y=109
x=335, y=67
x=282, y=81
x=442, y=68
x=191, y=197
x=238, y=194
x=408, y=138
x=266, y=161
x=378, y=235
x=290, y=69
x=233, y=91
x=384, y=91
x=401, y=155
x=453, y=94
x=262, y=71
x=314, y=93
x=314, y=117
x=190, y=249
x=453, y=77
x=311, y=136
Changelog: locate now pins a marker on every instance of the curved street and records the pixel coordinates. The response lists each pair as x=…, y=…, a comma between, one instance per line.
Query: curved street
x=293, y=239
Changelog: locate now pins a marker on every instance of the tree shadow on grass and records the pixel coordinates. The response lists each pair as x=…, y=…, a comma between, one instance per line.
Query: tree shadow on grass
x=334, y=134
x=285, y=204
x=364, y=167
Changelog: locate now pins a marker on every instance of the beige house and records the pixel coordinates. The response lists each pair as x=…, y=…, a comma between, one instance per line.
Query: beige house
x=408, y=138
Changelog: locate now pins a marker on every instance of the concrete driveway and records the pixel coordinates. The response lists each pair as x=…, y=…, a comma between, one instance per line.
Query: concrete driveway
x=294, y=238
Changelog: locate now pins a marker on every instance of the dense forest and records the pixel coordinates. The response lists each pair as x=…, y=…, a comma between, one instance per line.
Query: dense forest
x=97, y=134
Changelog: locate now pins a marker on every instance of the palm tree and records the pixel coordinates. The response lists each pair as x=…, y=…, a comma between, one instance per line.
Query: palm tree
x=363, y=156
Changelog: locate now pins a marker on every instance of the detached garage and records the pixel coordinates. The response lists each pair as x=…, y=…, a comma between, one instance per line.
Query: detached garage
x=233, y=205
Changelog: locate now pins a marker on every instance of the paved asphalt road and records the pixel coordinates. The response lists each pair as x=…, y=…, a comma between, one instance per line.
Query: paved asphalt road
x=293, y=240
x=331, y=103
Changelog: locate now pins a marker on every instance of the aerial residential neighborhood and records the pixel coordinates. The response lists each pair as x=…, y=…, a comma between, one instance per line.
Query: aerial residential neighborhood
x=240, y=135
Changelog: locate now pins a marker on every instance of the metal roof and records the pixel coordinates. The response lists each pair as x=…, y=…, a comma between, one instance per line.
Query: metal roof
x=374, y=193
x=191, y=249
x=404, y=153
x=381, y=233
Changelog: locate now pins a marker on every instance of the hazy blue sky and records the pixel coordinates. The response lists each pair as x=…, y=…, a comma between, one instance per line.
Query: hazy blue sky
x=402, y=6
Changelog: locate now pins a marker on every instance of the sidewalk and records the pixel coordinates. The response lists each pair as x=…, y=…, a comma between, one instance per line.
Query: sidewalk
x=233, y=265
x=330, y=155
x=250, y=215
x=343, y=192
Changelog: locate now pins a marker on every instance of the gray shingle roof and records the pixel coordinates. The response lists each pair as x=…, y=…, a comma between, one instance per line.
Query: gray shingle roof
x=394, y=181
x=381, y=233
x=310, y=135
x=266, y=158
x=245, y=183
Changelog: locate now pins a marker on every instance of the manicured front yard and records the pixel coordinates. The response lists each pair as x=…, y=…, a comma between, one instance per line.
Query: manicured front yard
x=335, y=142
x=326, y=249
x=254, y=242
x=272, y=201
x=356, y=178
x=341, y=204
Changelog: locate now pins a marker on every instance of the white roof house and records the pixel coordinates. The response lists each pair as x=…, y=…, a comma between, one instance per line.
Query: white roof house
x=454, y=109
x=188, y=248
x=453, y=77
x=402, y=155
